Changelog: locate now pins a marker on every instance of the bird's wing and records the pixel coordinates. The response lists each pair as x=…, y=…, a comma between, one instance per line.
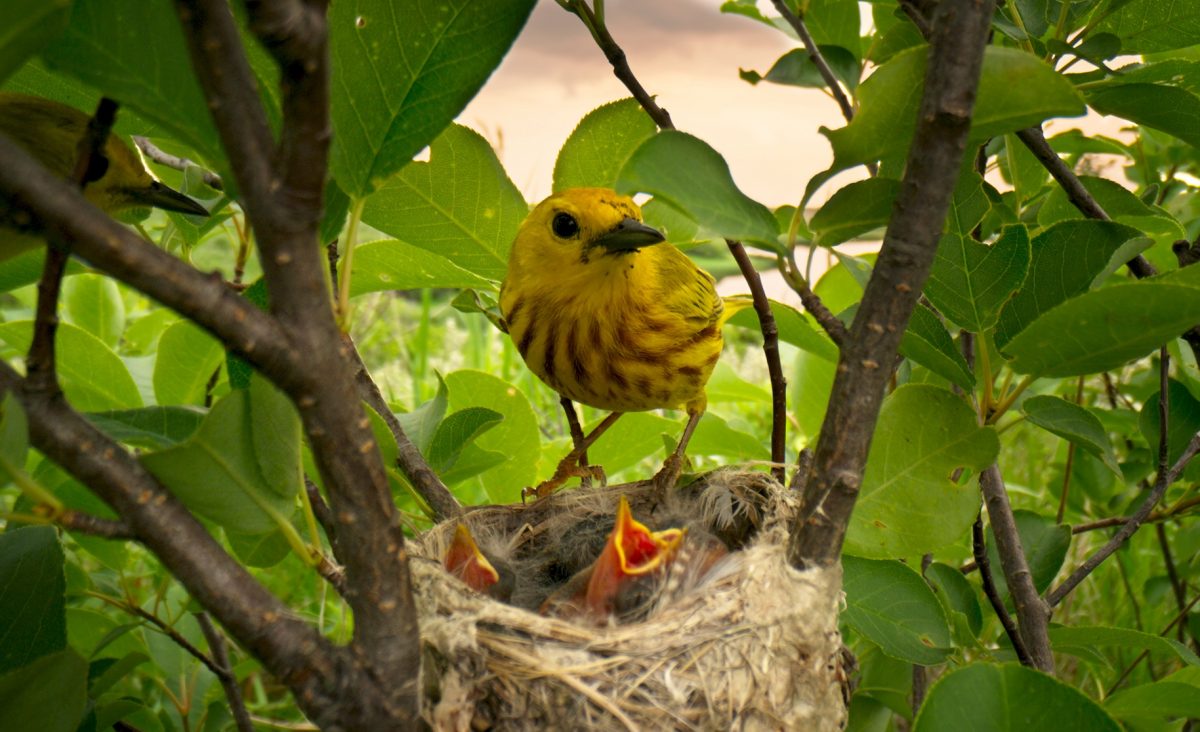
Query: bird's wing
x=688, y=290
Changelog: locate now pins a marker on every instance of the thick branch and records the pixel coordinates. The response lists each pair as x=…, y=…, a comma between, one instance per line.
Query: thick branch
x=1033, y=615
x=284, y=194
x=864, y=367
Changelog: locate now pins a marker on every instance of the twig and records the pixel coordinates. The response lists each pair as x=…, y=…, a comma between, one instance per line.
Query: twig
x=321, y=511
x=818, y=60
x=1177, y=585
x=993, y=593
x=162, y=157
x=1108, y=523
x=1182, y=615
x=834, y=328
x=1066, y=487
x=762, y=306
x=918, y=11
x=229, y=682
x=164, y=628
x=1033, y=615
x=864, y=366
x=85, y=523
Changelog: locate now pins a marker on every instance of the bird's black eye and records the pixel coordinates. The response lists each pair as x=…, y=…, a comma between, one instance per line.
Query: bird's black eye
x=97, y=167
x=565, y=226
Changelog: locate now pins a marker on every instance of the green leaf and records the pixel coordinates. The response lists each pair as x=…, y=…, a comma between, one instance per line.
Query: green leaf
x=1095, y=636
x=26, y=26
x=1016, y=90
x=956, y=594
x=1104, y=329
x=259, y=550
x=856, y=209
x=908, y=505
x=134, y=52
x=403, y=71
x=1068, y=258
x=228, y=472
x=636, y=437
x=1157, y=701
x=814, y=377
x=93, y=377
x=968, y=205
x=796, y=68
x=276, y=435
x=420, y=424
x=986, y=697
x=1117, y=201
x=460, y=205
x=1073, y=423
x=187, y=358
x=1183, y=419
x=724, y=385
x=928, y=343
x=599, y=146
x=834, y=22
x=48, y=695
x=890, y=604
x=970, y=282
x=794, y=327
x=149, y=427
x=1166, y=108
x=33, y=619
x=1044, y=543
x=1147, y=26
x=714, y=436
x=456, y=432
x=112, y=672
x=14, y=431
x=394, y=265
x=1180, y=72
x=93, y=302
x=691, y=176
x=517, y=436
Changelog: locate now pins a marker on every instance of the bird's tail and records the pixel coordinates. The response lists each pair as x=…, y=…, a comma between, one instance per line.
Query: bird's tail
x=734, y=304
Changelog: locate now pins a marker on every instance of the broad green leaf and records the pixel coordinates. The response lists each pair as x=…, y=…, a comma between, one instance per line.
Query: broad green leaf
x=420, y=424
x=970, y=282
x=134, y=52
x=26, y=26
x=48, y=695
x=724, y=385
x=26, y=267
x=33, y=622
x=928, y=343
x=714, y=436
x=679, y=228
x=402, y=71
x=834, y=22
x=1180, y=72
x=1117, y=201
x=1183, y=419
x=884, y=679
x=839, y=287
x=259, y=550
x=1044, y=543
x=93, y=302
x=394, y=265
x=891, y=605
x=956, y=593
x=1068, y=258
x=856, y=209
x=14, y=431
x=1022, y=170
x=796, y=68
x=1016, y=90
x=456, y=432
x=691, y=176
x=1095, y=636
x=1104, y=329
x=1152, y=25
x=187, y=358
x=93, y=377
x=1156, y=701
x=1073, y=423
x=1166, y=108
x=968, y=205
x=219, y=472
x=595, y=152
x=810, y=386
x=113, y=672
x=459, y=205
x=149, y=427
x=908, y=505
x=794, y=327
x=142, y=335
x=516, y=436
x=637, y=436
x=35, y=78
x=1007, y=697
x=276, y=435
x=75, y=496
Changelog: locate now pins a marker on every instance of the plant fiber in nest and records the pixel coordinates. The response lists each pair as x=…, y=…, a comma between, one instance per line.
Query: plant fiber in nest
x=752, y=645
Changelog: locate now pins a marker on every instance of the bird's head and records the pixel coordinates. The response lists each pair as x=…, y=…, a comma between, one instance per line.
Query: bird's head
x=632, y=552
x=465, y=560
x=579, y=227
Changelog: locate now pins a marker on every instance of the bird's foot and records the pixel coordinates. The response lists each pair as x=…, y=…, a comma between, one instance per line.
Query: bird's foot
x=664, y=480
x=567, y=469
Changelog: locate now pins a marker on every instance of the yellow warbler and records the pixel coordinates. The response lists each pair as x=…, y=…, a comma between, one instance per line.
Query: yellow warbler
x=608, y=314
x=116, y=180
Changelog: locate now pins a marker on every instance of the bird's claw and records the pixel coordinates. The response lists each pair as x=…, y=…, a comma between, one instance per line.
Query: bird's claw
x=664, y=479
x=566, y=470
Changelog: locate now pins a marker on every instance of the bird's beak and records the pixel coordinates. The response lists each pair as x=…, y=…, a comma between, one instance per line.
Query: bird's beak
x=168, y=199
x=465, y=561
x=632, y=551
x=629, y=236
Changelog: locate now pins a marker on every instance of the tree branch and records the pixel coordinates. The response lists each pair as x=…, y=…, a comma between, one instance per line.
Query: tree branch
x=162, y=157
x=86, y=523
x=979, y=549
x=1033, y=615
x=229, y=682
x=864, y=366
x=834, y=328
x=818, y=60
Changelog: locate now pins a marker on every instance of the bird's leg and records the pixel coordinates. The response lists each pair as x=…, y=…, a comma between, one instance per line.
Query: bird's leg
x=577, y=439
x=665, y=478
x=569, y=466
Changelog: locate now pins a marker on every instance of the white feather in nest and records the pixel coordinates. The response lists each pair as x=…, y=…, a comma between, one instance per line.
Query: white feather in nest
x=748, y=643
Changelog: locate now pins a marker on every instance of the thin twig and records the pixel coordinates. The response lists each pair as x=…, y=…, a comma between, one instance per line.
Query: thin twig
x=818, y=60
x=165, y=628
x=229, y=682
x=865, y=364
x=86, y=523
x=1177, y=585
x=1182, y=615
x=162, y=157
x=1066, y=487
x=834, y=328
x=1107, y=523
x=993, y=593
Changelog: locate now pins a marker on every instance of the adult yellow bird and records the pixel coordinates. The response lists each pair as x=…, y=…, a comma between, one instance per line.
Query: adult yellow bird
x=116, y=180
x=608, y=314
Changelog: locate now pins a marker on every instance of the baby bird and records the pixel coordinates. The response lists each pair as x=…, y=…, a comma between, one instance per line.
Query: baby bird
x=466, y=561
x=608, y=314
x=116, y=180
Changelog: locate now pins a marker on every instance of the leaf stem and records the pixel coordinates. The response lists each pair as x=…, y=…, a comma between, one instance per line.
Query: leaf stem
x=31, y=488
x=1007, y=402
x=345, y=271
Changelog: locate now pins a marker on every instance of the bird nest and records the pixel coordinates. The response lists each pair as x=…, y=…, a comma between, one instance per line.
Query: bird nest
x=750, y=645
